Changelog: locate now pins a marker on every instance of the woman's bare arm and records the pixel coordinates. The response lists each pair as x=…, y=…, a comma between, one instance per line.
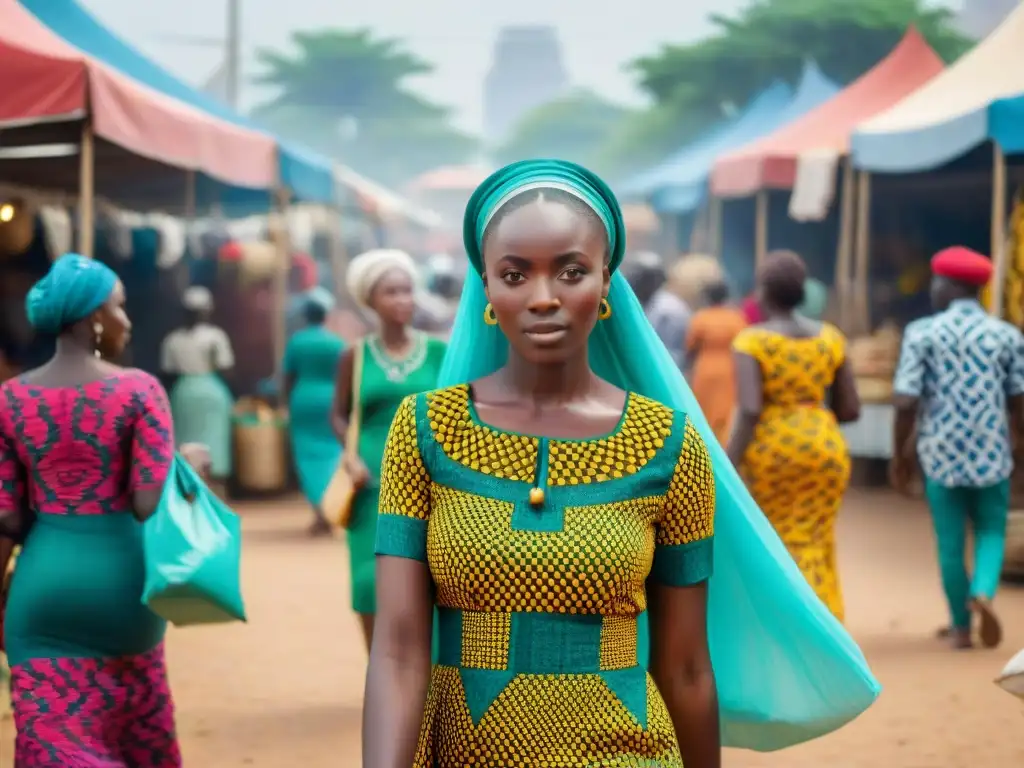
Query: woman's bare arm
x=681, y=668
x=399, y=671
x=845, y=400
x=749, y=402
x=342, y=405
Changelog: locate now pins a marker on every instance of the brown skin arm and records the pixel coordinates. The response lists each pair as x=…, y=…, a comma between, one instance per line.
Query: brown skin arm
x=399, y=670
x=681, y=668
x=904, y=441
x=342, y=405
x=845, y=400
x=749, y=402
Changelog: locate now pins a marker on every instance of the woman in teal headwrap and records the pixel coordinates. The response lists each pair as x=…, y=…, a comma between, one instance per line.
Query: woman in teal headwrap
x=561, y=479
x=310, y=365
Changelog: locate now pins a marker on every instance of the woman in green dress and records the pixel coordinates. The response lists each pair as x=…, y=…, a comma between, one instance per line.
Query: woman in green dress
x=396, y=360
x=310, y=365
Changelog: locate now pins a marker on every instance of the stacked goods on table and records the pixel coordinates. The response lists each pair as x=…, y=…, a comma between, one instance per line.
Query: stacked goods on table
x=261, y=446
x=873, y=360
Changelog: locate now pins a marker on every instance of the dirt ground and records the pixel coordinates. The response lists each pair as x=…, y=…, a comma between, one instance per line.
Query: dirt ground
x=286, y=689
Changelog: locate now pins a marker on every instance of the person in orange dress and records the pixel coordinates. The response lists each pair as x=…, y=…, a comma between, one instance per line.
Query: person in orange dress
x=709, y=353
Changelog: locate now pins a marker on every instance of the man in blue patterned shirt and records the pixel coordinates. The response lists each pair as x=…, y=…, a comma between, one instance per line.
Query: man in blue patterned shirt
x=960, y=381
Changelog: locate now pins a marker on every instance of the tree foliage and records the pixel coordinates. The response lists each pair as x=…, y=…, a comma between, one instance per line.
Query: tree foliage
x=346, y=93
x=573, y=127
x=771, y=39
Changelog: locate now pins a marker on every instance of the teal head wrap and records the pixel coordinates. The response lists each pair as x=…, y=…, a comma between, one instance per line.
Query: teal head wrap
x=786, y=669
x=519, y=178
x=73, y=288
x=319, y=297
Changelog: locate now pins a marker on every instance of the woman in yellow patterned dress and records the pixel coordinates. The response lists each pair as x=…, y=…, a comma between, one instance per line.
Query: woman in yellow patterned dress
x=542, y=509
x=795, y=388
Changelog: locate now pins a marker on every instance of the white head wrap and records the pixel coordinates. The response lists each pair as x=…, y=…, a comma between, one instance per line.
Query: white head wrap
x=368, y=268
x=197, y=299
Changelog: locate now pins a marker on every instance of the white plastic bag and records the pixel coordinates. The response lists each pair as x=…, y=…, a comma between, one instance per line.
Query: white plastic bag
x=1011, y=679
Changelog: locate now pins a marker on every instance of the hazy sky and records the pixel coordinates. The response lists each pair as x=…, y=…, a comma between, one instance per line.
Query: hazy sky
x=455, y=35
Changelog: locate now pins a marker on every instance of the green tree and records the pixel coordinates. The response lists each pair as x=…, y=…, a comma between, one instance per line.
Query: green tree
x=346, y=93
x=768, y=40
x=573, y=127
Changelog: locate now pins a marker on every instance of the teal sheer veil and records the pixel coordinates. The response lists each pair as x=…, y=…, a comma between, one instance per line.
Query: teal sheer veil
x=786, y=669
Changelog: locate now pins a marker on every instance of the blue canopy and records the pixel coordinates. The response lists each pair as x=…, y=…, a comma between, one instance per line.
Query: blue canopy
x=679, y=184
x=308, y=177
x=1006, y=124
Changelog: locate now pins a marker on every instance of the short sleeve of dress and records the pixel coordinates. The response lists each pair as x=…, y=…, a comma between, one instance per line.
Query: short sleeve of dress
x=152, y=434
x=12, y=474
x=747, y=341
x=223, y=354
x=837, y=345
x=404, y=505
x=683, y=553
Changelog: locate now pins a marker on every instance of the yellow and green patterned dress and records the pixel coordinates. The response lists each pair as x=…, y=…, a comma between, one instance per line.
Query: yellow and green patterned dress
x=542, y=602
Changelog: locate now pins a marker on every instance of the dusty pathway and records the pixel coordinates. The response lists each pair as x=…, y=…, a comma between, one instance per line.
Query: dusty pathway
x=285, y=690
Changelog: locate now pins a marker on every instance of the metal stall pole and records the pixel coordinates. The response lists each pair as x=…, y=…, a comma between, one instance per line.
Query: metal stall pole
x=87, y=192
x=998, y=244
x=714, y=238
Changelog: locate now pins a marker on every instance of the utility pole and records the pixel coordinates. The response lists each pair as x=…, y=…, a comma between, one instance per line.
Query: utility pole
x=232, y=54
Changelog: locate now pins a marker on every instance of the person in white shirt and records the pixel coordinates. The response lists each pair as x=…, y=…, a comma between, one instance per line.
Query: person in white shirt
x=193, y=360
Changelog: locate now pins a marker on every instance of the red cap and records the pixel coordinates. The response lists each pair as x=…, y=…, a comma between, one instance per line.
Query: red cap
x=963, y=265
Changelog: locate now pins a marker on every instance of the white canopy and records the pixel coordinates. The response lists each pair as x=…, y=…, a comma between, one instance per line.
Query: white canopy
x=948, y=115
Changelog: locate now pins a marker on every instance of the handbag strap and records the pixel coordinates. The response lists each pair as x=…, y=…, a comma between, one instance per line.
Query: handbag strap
x=356, y=414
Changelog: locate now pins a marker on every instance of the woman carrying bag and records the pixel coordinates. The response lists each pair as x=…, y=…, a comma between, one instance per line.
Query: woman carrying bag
x=373, y=378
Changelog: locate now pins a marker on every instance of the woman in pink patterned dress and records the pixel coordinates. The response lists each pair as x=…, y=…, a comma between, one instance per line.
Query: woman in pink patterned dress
x=85, y=447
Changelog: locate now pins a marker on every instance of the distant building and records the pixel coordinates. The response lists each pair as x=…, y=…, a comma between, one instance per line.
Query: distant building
x=977, y=18
x=527, y=71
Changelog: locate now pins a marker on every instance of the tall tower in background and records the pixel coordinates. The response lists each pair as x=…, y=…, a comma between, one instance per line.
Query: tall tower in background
x=977, y=18
x=527, y=70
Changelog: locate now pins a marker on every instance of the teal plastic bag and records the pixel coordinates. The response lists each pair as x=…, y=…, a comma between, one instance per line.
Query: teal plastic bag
x=193, y=549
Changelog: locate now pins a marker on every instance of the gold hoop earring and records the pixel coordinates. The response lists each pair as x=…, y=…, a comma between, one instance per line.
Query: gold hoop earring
x=605, y=311
x=489, y=317
x=97, y=329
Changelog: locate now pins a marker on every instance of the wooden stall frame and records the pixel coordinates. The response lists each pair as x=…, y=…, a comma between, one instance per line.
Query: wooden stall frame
x=861, y=322
x=87, y=192
x=760, y=228
x=998, y=236
x=844, y=248
x=279, y=288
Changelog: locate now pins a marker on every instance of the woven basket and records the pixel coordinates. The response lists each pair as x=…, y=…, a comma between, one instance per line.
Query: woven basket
x=1013, y=562
x=262, y=455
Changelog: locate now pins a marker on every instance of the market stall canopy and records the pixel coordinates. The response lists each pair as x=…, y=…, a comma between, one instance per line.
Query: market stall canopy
x=449, y=177
x=306, y=176
x=771, y=162
x=678, y=185
x=949, y=115
x=46, y=80
x=388, y=204
x=1006, y=124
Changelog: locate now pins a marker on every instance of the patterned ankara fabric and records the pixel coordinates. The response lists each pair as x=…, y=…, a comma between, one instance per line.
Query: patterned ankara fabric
x=539, y=604
x=87, y=664
x=797, y=465
x=963, y=364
